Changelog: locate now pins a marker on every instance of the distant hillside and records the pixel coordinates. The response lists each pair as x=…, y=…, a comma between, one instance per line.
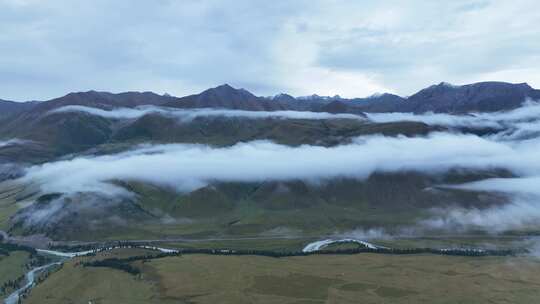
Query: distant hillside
x=477, y=97
x=336, y=104
x=234, y=209
x=442, y=98
x=104, y=100
x=8, y=108
x=225, y=96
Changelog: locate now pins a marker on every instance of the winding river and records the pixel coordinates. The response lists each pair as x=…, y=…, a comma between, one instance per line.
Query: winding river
x=318, y=245
x=64, y=256
x=30, y=276
x=13, y=298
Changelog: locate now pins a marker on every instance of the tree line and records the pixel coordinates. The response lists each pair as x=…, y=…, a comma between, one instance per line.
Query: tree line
x=124, y=263
x=276, y=253
x=6, y=248
x=115, y=263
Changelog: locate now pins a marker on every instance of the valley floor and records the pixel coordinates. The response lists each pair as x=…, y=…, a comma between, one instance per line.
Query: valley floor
x=365, y=278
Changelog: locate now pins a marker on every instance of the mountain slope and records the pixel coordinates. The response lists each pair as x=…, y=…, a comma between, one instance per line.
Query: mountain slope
x=233, y=209
x=227, y=97
x=104, y=100
x=379, y=103
x=442, y=98
x=222, y=131
x=315, y=103
x=9, y=108
x=477, y=97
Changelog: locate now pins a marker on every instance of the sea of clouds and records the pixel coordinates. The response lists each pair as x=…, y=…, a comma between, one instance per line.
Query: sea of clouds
x=513, y=146
x=187, y=167
x=190, y=166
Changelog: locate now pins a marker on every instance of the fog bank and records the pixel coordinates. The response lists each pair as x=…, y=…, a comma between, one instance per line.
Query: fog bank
x=187, y=115
x=516, y=124
x=189, y=166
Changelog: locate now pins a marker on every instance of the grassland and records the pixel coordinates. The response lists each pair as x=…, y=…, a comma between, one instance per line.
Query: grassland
x=275, y=244
x=13, y=266
x=363, y=278
x=12, y=193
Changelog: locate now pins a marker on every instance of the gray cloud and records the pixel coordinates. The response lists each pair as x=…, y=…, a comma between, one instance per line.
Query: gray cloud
x=518, y=214
x=12, y=142
x=437, y=119
x=451, y=41
x=190, y=114
x=302, y=47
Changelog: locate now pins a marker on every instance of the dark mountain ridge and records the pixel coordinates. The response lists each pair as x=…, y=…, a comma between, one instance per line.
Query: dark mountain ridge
x=442, y=98
x=8, y=108
x=477, y=97
x=104, y=100
x=225, y=96
x=445, y=98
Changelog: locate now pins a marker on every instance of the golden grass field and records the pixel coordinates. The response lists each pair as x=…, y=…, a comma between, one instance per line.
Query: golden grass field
x=361, y=278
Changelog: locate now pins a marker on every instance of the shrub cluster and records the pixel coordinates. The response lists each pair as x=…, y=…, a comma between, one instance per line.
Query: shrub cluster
x=120, y=264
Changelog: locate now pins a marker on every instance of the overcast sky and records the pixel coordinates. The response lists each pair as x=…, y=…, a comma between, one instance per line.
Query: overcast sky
x=351, y=48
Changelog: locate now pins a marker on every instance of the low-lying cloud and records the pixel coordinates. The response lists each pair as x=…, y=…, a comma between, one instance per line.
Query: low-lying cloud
x=516, y=124
x=12, y=142
x=187, y=115
x=189, y=166
x=48, y=215
x=520, y=213
x=518, y=185
x=439, y=119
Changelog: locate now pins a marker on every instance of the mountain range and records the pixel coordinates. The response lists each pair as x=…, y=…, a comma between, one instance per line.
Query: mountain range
x=442, y=98
x=50, y=136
